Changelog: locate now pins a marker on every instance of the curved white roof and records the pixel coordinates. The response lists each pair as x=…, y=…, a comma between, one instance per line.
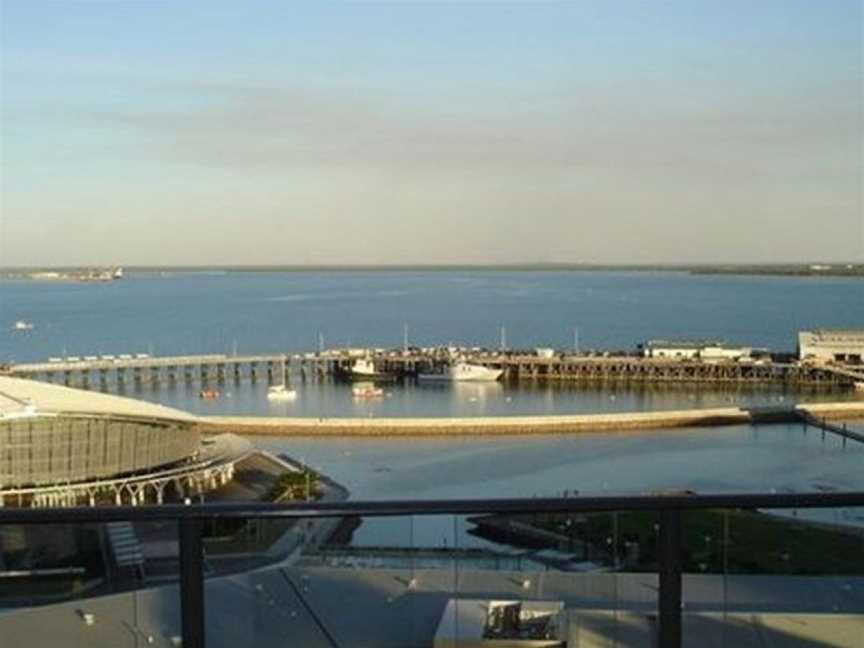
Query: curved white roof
x=22, y=397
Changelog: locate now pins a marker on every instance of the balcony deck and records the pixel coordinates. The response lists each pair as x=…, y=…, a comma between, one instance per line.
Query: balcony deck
x=347, y=607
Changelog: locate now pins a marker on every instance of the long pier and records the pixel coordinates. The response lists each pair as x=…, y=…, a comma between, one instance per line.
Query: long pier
x=153, y=369
x=516, y=365
x=525, y=365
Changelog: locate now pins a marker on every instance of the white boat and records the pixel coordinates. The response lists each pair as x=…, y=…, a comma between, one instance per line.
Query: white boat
x=367, y=391
x=21, y=325
x=281, y=391
x=364, y=369
x=464, y=372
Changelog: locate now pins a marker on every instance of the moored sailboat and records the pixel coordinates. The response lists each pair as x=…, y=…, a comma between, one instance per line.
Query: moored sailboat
x=281, y=392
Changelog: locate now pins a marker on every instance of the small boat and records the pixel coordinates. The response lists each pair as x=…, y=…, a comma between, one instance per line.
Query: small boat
x=281, y=392
x=22, y=325
x=464, y=372
x=364, y=369
x=209, y=394
x=367, y=391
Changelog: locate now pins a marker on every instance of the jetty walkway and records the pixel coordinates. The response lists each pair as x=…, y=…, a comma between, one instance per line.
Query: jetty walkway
x=607, y=367
x=516, y=365
x=145, y=368
x=841, y=429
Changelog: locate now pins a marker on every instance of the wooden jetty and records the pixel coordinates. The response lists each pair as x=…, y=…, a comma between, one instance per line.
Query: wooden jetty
x=516, y=365
x=524, y=365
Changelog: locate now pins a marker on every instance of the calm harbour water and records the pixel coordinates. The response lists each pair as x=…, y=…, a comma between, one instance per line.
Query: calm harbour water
x=260, y=312
x=196, y=313
x=740, y=458
x=182, y=313
x=775, y=458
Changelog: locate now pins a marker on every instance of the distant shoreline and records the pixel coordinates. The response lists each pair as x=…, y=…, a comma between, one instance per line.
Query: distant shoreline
x=841, y=269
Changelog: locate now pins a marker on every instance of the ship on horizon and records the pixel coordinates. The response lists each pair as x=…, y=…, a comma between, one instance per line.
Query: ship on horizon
x=84, y=275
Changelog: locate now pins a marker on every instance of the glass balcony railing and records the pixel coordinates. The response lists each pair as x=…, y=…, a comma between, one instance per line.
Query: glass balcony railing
x=668, y=570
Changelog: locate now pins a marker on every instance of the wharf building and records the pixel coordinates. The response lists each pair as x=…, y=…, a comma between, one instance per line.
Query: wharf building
x=832, y=345
x=705, y=350
x=67, y=447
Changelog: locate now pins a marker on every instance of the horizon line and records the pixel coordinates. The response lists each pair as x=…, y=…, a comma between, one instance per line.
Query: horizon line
x=575, y=265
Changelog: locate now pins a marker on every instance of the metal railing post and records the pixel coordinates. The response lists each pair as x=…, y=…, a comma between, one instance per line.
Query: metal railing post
x=669, y=555
x=191, y=582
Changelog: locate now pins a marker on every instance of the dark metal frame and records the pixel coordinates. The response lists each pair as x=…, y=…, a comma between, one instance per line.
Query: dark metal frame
x=669, y=508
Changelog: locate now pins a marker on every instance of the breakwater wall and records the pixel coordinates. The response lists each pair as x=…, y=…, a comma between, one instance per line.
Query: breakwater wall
x=521, y=425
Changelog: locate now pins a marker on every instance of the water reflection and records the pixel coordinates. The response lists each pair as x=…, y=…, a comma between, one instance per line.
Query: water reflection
x=411, y=399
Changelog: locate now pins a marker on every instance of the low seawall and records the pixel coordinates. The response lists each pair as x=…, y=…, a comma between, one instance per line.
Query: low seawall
x=512, y=425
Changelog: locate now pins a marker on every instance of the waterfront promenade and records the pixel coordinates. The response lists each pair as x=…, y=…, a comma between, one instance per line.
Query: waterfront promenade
x=521, y=425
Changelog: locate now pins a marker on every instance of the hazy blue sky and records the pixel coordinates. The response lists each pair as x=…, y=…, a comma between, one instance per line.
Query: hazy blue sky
x=368, y=132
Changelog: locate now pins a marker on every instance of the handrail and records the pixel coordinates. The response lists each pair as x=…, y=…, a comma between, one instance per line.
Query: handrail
x=390, y=508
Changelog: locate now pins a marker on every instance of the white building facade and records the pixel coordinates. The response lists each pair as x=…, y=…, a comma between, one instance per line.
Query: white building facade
x=706, y=351
x=832, y=345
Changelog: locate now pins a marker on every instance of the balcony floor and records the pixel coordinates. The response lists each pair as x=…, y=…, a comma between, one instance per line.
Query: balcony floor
x=345, y=607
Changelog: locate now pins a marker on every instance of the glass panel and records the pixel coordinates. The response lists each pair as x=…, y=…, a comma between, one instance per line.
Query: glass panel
x=777, y=576
x=583, y=579
x=600, y=568
x=406, y=580
x=236, y=544
x=89, y=585
x=342, y=581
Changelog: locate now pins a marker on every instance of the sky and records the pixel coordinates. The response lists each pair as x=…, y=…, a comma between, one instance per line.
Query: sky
x=608, y=131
